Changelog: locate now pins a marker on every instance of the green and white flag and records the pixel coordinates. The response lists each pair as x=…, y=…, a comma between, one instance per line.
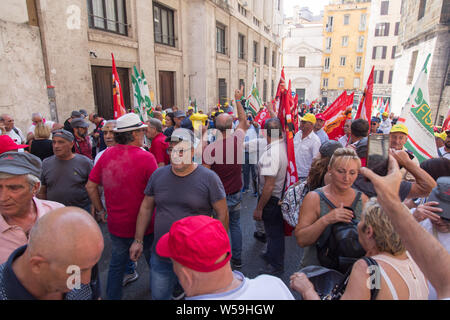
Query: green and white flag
x=416, y=116
x=142, y=102
x=253, y=102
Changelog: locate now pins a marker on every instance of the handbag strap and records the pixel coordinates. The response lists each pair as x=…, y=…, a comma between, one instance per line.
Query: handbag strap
x=324, y=198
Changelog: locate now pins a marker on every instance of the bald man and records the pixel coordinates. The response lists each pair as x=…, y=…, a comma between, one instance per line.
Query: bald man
x=59, y=262
x=225, y=157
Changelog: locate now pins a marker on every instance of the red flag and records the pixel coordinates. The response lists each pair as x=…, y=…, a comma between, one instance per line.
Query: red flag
x=119, y=106
x=336, y=115
x=365, y=105
x=446, y=125
x=278, y=109
x=262, y=116
x=296, y=113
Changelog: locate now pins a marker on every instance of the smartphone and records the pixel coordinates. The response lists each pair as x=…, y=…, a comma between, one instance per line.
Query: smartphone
x=378, y=153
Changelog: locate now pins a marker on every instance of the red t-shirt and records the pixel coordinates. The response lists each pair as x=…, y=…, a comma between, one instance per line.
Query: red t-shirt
x=124, y=171
x=159, y=148
x=228, y=164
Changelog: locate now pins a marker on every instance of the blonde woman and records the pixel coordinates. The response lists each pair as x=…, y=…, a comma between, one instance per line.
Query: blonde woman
x=41, y=145
x=316, y=214
x=399, y=276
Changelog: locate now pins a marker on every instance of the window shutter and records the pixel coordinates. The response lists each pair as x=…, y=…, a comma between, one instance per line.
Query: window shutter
x=384, y=52
x=374, y=52
x=386, y=29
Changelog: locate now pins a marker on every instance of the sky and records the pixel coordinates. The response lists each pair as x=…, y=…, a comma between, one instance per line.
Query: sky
x=314, y=5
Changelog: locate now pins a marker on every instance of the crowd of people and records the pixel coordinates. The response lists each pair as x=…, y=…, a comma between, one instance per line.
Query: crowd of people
x=170, y=191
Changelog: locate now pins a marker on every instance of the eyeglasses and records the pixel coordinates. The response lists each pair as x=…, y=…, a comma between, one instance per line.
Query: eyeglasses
x=178, y=151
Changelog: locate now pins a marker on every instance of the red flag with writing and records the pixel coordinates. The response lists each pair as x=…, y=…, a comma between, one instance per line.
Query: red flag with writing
x=119, y=106
x=262, y=116
x=336, y=115
x=365, y=105
x=280, y=111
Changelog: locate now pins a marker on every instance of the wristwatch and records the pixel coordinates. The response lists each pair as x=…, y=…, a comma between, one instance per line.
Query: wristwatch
x=139, y=241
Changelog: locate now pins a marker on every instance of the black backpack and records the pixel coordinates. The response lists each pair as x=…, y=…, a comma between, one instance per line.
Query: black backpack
x=338, y=246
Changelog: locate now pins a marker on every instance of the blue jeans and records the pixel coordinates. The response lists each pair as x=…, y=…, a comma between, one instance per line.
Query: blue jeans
x=248, y=168
x=162, y=278
x=120, y=258
x=273, y=223
x=234, y=214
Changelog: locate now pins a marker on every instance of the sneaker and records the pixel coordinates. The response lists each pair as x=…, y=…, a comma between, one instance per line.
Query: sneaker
x=178, y=293
x=260, y=236
x=236, y=263
x=269, y=269
x=128, y=278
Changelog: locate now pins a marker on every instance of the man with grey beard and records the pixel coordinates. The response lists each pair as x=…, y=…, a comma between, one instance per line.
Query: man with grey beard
x=82, y=142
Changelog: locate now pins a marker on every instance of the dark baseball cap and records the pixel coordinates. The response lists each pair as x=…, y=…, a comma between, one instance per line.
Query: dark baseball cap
x=76, y=114
x=179, y=114
x=63, y=134
x=329, y=147
x=79, y=123
x=83, y=113
x=20, y=163
x=441, y=194
x=181, y=134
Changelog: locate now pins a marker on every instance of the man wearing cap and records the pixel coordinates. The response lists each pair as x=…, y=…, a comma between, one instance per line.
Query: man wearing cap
x=386, y=124
x=14, y=133
x=190, y=111
x=178, y=116
x=7, y=144
x=306, y=145
x=98, y=144
x=397, y=139
x=178, y=190
x=123, y=170
x=19, y=206
x=318, y=128
x=445, y=150
x=200, y=252
x=158, y=142
x=65, y=174
x=374, y=125
x=224, y=156
x=82, y=142
x=67, y=124
x=436, y=217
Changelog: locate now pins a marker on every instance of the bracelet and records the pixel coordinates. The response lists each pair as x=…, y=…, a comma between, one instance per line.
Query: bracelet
x=238, y=100
x=139, y=241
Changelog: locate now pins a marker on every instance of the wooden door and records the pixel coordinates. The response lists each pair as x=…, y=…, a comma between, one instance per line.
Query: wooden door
x=102, y=85
x=167, y=89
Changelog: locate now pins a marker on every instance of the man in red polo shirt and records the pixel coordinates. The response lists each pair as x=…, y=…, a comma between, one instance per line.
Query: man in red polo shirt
x=123, y=170
x=225, y=157
x=82, y=142
x=159, y=145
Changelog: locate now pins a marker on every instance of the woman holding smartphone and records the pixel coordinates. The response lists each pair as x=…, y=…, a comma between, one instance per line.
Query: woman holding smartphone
x=316, y=214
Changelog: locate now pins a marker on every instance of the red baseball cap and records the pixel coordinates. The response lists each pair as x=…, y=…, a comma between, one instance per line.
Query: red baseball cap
x=196, y=242
x=320, y=116
x=7, y=144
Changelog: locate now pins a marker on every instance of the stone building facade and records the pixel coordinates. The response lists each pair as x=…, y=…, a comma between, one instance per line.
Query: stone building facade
x=56, y=54
x=424, y=29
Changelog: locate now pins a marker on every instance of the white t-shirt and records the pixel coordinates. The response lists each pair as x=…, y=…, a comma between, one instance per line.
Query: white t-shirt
x=444, y=153
x=263, y=287
x=273, y=163
x=305, y=151
x=444, y=239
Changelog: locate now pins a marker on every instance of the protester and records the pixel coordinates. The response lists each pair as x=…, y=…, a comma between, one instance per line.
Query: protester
x=178, y=117
x=358, y=138
x=41, y=145
x=189, y=112
x=345, y=139
x=7, y=144
x=250, y=155
x=306, y=145
x=158, y=142
x=397, y=140
x=178, y=190
x=445, y=150
x=170, y=124
x=67, y=124
x=39, y=270
x=97, y=140
x=19, y=206
x=123, y=170
x=14, y=133
x=107, y=136
x=401, y=278
x=36, y=119
x=65, y=174
x=440, y=141
x=434, y=217
x=431, y=257
x=229, y=169
x=272, y=173
x=82, y=142
x=199, y=249
x=316, y=214
x=318, y=128
x=386, y=124
x=374, y=125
